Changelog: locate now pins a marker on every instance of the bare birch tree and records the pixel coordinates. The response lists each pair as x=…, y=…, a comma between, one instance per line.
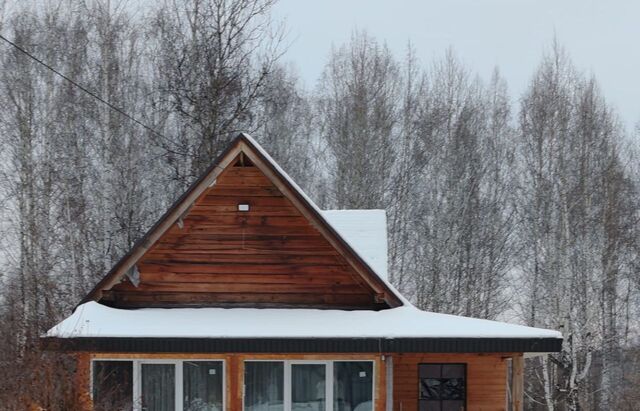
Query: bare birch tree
x=212, y=59
x=489, y=215
x=358, y=102
x=462, y=216
x=578, y=210
x=284, y=126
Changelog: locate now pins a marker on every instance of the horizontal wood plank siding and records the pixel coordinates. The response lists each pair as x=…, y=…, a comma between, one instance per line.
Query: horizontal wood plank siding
x=268, y=256
x=486, y=374
x=486, y=379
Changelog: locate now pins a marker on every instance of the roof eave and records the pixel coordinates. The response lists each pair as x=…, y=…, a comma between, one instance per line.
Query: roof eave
x=303, y=345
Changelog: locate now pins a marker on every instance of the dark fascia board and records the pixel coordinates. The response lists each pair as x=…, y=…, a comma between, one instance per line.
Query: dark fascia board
x=303, y=345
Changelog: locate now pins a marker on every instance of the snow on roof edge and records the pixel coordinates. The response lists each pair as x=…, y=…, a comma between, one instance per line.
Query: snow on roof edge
x=93, y=319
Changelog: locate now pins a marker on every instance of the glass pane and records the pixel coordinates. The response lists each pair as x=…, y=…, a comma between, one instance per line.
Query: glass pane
x=452, y=389
x=112, y=385
x=308, y=388
x=264, y=386
x=428, y=405
x=430, y=370
x=430, y=388
x=452, y=405
x=453, y=371
x=202, y=385
x=353, y=386
x=158, y=387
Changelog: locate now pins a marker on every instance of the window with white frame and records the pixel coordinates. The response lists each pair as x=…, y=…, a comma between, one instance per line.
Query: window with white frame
x=308, y=385
x=112, y=383
x=158, y=385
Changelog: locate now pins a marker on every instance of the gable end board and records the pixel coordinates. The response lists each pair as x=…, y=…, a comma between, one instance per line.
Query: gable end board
x=244, y=146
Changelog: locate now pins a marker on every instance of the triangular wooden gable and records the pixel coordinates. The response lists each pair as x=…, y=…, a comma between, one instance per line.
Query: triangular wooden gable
x=207, y=250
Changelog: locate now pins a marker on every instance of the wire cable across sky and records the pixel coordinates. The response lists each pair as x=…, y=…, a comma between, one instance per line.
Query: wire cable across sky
x=83, y=88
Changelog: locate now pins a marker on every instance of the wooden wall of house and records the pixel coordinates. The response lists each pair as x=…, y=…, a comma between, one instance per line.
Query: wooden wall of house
x=217, y=255
x=486, y=375
x=486, y=379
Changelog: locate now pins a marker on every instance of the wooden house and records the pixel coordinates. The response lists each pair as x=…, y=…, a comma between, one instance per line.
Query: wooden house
x=245, y=296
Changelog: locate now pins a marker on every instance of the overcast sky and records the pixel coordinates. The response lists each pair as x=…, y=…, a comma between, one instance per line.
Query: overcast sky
x=602, y=37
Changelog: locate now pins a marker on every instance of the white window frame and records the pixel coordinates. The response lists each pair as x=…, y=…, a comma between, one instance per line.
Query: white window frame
x=179, y=380
x=329, y=366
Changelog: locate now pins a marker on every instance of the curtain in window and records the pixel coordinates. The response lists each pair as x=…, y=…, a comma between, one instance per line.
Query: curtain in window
x=112, y=385
x=264, y=386
x=308, y=387
x=353, y=386
x=202, y=385
x=158, y=387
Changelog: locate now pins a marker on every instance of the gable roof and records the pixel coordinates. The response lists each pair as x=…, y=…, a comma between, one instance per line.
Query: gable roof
x=258, y=156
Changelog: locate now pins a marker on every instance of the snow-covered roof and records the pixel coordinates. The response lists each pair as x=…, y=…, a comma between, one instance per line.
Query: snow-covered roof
x=96, y=320
x=366, y=233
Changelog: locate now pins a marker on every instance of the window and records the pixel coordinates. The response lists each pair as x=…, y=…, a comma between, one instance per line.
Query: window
x=442, y=387
x=308, y=386
x=202, y=382
x=353, y=386
x=158, y=385
x=112, y=385
x=158, y=391
x=264, y=386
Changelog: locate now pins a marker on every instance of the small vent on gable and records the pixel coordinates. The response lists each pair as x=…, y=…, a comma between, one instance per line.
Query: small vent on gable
x=134, y=275
x=243, y=161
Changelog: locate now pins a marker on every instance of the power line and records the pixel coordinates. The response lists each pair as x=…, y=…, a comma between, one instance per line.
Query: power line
x=81, y=87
